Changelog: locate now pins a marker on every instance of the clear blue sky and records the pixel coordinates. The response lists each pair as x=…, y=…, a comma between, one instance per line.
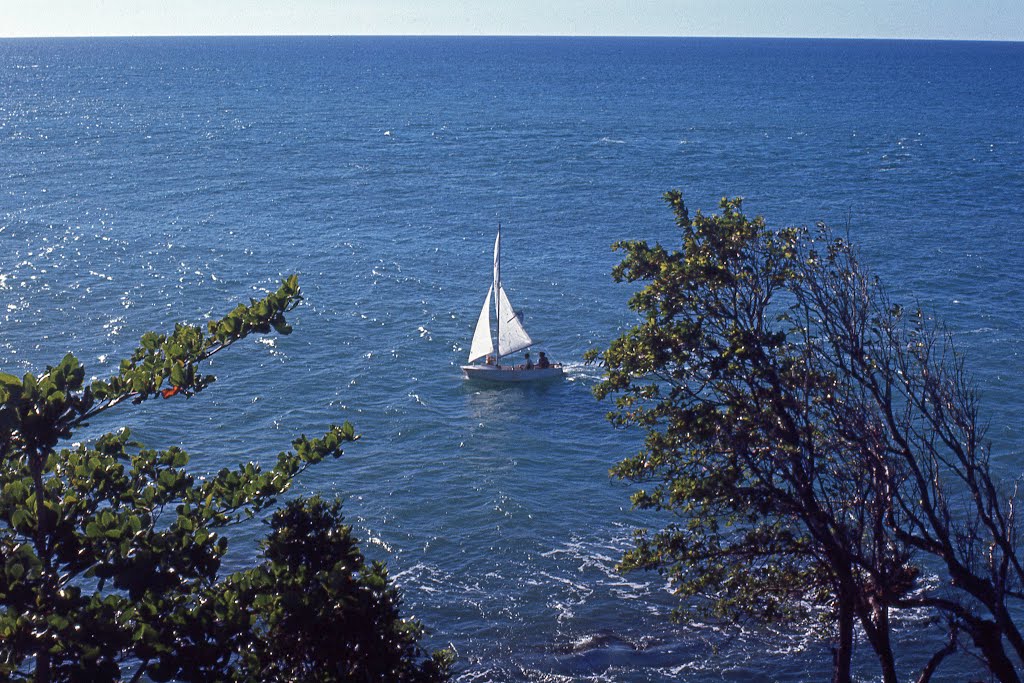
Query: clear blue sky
x=938, y=19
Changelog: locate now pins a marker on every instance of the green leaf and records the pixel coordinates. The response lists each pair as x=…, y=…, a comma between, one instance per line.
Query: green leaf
x=15, y=571
x=20, y=518
x=177, y=375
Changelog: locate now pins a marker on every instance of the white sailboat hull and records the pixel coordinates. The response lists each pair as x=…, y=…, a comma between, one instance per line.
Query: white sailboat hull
x=509, y=373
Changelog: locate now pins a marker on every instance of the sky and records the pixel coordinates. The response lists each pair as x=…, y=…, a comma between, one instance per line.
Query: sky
x=914, y=19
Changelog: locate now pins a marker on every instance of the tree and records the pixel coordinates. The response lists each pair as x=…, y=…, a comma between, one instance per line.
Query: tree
x=325, y=613
x=111, y=551
x=806, y=435
x=906, y=372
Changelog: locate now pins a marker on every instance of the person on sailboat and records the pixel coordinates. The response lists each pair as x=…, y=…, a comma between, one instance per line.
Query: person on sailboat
x=543, y=361
x=529, y=363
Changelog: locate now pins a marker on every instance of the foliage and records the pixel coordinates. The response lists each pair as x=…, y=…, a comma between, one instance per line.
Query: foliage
x=111, y=551
x=325, y=614
x=807, y=437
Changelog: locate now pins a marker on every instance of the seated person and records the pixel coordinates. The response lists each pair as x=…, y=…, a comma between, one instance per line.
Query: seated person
x=543, y=361
x=529, y=363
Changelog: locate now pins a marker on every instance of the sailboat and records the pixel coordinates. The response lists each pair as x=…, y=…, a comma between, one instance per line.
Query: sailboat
x=510, y=333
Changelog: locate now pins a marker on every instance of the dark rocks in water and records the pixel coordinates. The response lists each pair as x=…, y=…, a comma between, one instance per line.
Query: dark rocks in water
x=605, y=649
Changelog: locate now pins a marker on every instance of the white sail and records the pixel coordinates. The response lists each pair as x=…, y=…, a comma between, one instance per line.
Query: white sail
x=482, y=343
x=511, y=335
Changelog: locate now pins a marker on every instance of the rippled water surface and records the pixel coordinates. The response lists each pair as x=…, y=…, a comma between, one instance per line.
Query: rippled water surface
x=147, y=181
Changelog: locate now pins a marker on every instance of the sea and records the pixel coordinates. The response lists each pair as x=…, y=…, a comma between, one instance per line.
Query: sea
x=147, y=181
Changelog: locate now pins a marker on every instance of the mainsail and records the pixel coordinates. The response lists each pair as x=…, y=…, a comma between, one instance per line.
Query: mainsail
x=512, y=336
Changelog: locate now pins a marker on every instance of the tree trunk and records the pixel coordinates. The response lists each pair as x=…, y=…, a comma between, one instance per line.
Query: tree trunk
x=988, y=639
x=883, y=644
x=874, y=619
x=1008, y=627
x=842, y=653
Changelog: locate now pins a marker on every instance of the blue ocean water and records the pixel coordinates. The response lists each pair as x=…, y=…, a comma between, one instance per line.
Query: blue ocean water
x=147, y=181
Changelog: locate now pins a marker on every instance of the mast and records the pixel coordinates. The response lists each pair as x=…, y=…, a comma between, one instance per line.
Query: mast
x=497, y=297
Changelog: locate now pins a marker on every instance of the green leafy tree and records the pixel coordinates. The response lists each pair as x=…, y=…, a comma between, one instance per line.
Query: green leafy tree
x=111, y=551
x=325, y=614
x=809, y=440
